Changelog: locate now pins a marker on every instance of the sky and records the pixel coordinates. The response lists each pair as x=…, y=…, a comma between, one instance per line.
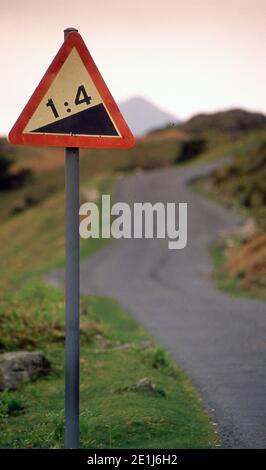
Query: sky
x=186, y=56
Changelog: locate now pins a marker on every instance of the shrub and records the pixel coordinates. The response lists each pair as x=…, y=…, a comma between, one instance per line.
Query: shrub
x=159, y=358
x=9, y=179
x=5, y=164
x=10, y=405
x=191, y=149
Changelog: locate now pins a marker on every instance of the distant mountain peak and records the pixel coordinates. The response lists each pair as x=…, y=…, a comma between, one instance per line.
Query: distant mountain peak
x=142, y=115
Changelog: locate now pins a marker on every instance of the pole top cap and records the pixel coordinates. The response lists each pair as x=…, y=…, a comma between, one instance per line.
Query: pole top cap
x=69, y=30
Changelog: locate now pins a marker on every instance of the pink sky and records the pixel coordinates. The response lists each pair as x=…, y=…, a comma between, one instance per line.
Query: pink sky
x=184, y=55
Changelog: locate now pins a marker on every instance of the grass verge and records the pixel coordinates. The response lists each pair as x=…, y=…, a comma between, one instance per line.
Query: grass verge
x=231, y=282
x=115, y=354
x=228, y=279
x=239, y=257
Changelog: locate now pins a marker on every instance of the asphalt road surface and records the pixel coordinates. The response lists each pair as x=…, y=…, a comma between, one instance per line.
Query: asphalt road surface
x=220, y=341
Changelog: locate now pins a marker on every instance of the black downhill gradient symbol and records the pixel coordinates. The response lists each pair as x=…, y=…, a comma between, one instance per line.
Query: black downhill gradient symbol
x=91, y=121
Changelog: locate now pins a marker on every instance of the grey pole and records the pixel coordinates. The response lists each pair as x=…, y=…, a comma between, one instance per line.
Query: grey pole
x=72, y=295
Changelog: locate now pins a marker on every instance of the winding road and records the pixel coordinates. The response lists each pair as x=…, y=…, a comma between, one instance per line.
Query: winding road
x=220, y=341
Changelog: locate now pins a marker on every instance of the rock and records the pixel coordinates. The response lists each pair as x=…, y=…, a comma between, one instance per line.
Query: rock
x=109, y=346
x=20, y=206
x=141, y=345
x=248, y=229
x=145, y=385
x=243, y=232
x=22, y=366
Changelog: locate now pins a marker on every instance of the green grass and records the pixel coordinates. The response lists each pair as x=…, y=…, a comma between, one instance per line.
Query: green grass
x=220, y=145
x=33, y=242
x=113, y=412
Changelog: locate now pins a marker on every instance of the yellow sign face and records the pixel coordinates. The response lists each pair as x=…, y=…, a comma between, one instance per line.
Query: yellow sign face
x=72, y=105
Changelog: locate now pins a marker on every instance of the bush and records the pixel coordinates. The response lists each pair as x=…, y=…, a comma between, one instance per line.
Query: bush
x=191, y=149
x=9, y=179
x=14, y=406
x=5, y=164
x=10, y=405
x=159, y=358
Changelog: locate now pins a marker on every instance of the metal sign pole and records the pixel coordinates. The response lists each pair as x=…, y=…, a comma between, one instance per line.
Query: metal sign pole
x=72, y=295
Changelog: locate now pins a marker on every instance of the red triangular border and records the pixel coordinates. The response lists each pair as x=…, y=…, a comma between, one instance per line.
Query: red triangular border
x=16, y=135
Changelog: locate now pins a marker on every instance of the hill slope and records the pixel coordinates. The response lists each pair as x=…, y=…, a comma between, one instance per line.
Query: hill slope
x=233, y=120
x=242, y=184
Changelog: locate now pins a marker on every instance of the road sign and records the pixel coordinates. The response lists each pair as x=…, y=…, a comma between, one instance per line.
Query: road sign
x=72, y=106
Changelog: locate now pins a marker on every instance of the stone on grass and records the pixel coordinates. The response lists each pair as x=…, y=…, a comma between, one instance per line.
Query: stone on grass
x=21, y=366
x=145, y=385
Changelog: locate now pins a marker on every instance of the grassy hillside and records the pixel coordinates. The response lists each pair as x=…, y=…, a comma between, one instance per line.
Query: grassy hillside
x=242, y=183
x=146, y=154
x=47, y=165
x=231, y=121
x=116, y=353
x=234, y=122
x=241, y=258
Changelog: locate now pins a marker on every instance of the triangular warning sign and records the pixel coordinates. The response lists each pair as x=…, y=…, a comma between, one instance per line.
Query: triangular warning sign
x=72, y=106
